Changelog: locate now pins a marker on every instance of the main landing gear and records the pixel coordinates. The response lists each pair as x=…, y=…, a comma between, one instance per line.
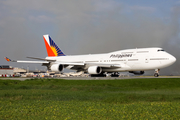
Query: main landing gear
x=115, y=74
x=156, y=73
x=98, y=75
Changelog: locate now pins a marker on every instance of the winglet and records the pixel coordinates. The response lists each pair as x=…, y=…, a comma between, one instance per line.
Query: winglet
x=7, y=59
x=51, y=47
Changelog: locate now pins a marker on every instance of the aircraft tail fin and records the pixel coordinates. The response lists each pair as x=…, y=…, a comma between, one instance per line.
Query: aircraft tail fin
x=52, y=49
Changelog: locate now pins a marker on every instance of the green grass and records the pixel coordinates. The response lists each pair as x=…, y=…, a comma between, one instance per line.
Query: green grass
x=157, y=98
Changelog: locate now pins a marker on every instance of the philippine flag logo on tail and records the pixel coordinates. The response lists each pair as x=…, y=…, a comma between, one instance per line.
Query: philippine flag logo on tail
x=51, y=47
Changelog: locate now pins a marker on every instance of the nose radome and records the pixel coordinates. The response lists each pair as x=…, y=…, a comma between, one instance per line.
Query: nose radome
x=173, y=59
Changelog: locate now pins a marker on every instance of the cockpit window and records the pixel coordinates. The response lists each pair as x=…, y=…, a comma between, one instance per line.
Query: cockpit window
x=161, y=50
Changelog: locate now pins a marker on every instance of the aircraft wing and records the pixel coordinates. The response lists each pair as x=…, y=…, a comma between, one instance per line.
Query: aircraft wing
x=74, y=65
x=20, y=61
x=42, y=59
x=71, y=63
x=32, y=61
x=88, y=64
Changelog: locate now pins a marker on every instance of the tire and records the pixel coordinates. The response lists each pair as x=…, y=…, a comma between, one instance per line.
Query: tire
x=156, y=75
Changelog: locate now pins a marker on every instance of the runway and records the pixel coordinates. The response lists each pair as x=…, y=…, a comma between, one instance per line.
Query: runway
x=116, y=78
x=93, y=78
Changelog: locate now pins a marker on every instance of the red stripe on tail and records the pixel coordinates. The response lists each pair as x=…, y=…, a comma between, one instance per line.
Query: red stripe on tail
x=49, y=50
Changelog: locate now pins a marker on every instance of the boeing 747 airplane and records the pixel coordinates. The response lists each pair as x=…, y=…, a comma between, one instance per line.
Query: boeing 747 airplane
x=130, y=60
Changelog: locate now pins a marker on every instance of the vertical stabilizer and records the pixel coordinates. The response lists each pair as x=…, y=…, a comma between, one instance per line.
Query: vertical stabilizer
x=51, y=47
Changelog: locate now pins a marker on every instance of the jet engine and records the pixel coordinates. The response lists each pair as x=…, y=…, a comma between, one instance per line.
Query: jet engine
x=94, y=70
x=137, y=72
x=57, y=67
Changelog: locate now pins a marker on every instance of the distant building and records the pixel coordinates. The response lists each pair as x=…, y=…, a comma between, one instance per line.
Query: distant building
x=19, y=70
x=6, y=70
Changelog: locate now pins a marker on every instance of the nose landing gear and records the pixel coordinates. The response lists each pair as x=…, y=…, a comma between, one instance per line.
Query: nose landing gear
x=156, y=73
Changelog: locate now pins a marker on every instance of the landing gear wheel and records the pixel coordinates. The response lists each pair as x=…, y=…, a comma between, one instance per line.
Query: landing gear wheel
x=156, y=75
x=98, y=75
x=116, y=74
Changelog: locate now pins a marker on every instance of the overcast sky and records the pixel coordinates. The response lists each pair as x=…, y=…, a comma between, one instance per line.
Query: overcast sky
x=88, y=26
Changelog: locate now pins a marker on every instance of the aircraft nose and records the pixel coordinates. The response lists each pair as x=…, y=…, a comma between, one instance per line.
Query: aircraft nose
x=173, y=59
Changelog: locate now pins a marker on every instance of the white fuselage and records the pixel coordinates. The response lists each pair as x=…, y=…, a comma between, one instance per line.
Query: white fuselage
x=128, y=60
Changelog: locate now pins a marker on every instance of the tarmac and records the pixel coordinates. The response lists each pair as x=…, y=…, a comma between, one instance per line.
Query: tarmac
x=92, y=78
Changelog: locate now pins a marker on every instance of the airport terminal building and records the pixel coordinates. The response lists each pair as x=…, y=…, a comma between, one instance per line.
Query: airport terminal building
x=6, y=70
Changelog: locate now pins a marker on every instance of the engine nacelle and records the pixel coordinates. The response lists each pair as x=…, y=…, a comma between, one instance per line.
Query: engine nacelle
x=94, y=70
x=57, y=67
x=137, y=72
